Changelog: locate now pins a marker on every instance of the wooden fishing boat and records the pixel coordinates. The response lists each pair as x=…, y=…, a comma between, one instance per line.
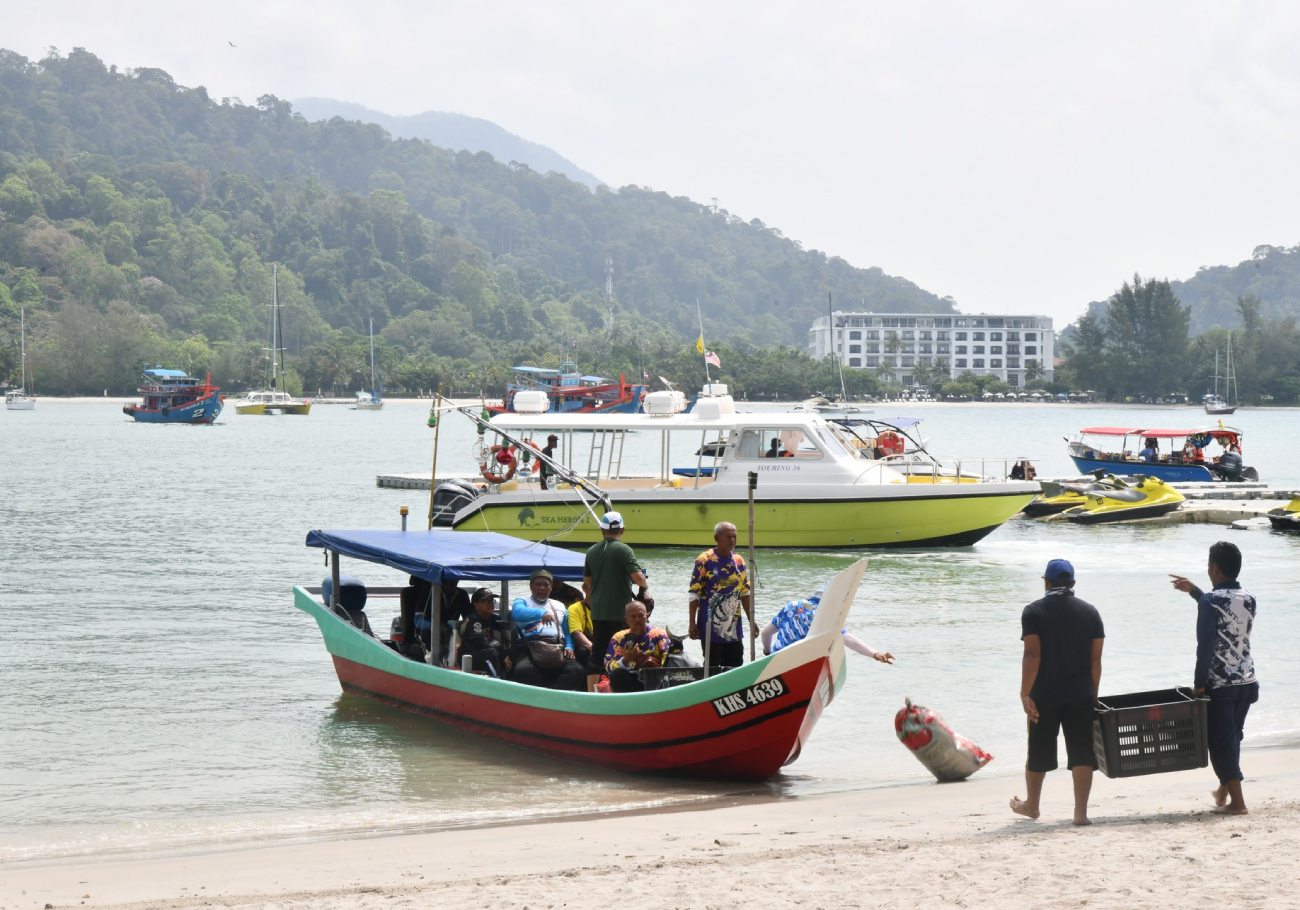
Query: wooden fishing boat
x=745, y=723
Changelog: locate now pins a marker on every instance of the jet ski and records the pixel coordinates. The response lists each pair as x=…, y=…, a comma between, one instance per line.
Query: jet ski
x=1057, y=497
x=1286, y=518
x=1141, y=497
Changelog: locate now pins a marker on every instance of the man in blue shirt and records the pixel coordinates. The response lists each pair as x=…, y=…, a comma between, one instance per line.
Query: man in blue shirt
x=1150, y=453
x=1225, y=670
x=1060, y=673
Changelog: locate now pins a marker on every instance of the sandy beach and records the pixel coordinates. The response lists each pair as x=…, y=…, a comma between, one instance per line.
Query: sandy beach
x=1154, y=843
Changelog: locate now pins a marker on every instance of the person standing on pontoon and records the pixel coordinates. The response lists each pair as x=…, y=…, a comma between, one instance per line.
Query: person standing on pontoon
x=792, y=622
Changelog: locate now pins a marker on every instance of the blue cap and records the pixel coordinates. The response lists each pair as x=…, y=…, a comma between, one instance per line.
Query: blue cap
x=1059, y=570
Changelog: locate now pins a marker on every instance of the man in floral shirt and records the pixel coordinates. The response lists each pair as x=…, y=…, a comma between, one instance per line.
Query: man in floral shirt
x=719, y=588
x=634, y=648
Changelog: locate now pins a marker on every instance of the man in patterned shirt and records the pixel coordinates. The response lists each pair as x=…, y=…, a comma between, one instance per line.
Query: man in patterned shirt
x=1225, y=671
x=792, y=622
x=719, y=588
x=636, y=647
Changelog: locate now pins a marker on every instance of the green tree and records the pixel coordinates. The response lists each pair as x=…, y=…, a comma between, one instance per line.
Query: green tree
x=1146, y=338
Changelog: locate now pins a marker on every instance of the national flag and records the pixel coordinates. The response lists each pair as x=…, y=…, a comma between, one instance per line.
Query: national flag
x=699, y=343
x=574, y=342
x=712, y=359
x=645, y=375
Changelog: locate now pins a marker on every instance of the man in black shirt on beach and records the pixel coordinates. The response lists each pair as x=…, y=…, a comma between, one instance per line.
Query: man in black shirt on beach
x=1060, y=673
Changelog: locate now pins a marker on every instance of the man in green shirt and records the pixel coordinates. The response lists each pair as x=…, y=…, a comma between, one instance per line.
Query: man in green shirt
x=607, y=578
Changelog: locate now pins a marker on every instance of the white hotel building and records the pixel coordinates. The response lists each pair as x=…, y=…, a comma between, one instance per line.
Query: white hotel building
x=995, y=345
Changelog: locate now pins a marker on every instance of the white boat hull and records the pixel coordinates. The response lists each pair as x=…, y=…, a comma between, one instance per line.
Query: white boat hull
x=20, y=404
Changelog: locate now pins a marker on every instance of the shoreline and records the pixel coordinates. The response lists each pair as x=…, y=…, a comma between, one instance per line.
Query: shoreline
x=1153, y=843
x=871, y=405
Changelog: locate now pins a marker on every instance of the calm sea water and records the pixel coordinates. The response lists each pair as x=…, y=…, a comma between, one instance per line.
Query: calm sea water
x=158, y=691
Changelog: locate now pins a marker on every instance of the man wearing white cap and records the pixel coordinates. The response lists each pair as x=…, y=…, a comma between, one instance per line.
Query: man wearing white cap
x=608, y=574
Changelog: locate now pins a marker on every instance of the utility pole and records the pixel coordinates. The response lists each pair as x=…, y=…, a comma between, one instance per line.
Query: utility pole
x=609, y=294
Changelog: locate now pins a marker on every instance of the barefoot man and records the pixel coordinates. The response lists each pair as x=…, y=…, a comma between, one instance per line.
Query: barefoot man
x=1060, y=673
x=1225, y=671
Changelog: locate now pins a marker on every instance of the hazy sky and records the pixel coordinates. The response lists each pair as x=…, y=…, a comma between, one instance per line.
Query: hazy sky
x=1017, y=156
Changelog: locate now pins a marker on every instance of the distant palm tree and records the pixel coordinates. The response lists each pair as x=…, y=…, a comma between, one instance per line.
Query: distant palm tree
x=1034, y=371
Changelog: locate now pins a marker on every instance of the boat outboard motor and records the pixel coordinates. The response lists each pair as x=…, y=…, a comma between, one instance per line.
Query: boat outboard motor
x=1229, y=466
x=449, y=497
x=352, y=600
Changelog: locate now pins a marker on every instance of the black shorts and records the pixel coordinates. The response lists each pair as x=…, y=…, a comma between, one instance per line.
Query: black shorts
x=726, y=654
x=1074, y=719
x=601, y=632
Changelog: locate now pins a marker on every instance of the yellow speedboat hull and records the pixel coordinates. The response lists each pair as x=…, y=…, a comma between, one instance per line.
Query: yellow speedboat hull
x=925, y=517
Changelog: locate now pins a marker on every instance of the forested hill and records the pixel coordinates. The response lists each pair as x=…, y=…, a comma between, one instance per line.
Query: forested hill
x=139, y=216
x=451, y=131
x=1272, y=274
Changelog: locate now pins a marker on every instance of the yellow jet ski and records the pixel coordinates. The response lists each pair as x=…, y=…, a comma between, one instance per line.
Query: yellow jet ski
x=1142, y=497
x=1287, y=518
x=1057, y=497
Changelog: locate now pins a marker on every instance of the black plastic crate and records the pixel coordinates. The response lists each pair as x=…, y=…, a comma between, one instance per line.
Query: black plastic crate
x=1150, y=733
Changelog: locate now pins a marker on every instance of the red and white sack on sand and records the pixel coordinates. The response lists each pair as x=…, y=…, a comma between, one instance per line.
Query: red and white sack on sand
x=949, y=755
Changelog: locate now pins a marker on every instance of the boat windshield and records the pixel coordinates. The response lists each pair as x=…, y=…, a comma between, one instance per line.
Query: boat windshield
x=776, y=442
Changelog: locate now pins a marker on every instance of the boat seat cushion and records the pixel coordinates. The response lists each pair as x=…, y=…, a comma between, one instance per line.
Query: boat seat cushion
x=352, y=592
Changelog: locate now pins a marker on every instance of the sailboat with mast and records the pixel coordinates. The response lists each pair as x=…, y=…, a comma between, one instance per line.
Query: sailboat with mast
x=1227, y=404
x=21, y=398
x=374, y=399
x=274, y=400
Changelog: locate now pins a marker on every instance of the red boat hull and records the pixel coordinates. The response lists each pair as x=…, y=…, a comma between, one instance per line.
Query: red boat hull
x=730, y=740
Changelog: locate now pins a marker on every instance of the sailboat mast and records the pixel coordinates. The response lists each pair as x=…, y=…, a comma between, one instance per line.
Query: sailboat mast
x=373, y=391
x=277, y=360
x=1229, y=377
x=830, y=323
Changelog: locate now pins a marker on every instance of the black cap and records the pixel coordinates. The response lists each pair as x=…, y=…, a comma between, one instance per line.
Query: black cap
x=481, y=595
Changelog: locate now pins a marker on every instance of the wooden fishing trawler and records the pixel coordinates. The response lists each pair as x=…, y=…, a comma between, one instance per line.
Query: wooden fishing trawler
x=742, y=724
x=173, y=396
x=566, y=391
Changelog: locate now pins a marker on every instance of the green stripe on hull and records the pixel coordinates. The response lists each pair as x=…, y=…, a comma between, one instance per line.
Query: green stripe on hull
x=932, y=521
x=345, y=640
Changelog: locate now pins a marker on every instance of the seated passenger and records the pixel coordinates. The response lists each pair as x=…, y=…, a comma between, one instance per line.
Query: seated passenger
x=483, y=637
x=634, y=648
x=792, y=622
x=1150, y=453
x=544, y=648
x=774, y=451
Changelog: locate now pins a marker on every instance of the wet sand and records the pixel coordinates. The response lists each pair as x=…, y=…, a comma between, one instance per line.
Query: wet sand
x=1153, y=843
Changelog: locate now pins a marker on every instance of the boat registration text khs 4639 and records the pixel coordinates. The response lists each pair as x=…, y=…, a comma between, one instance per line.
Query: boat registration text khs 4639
x=752, y=697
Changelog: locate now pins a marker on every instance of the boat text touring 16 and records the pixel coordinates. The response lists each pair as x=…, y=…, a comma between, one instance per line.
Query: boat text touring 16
x=815, y=486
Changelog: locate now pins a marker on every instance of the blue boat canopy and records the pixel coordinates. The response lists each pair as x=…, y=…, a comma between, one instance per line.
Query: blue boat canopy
x=464, y=555
x=166, y=374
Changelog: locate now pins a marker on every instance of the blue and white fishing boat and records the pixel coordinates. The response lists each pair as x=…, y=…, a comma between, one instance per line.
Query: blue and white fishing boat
x=172, y=396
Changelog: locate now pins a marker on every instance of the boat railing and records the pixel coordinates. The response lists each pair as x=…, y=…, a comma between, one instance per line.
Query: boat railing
x=941, y=469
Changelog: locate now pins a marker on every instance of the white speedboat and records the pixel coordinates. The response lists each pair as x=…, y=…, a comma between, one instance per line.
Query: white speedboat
x=814, y=486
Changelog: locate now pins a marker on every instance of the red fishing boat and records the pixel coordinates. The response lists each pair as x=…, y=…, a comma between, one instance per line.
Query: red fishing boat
x=744, y=723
